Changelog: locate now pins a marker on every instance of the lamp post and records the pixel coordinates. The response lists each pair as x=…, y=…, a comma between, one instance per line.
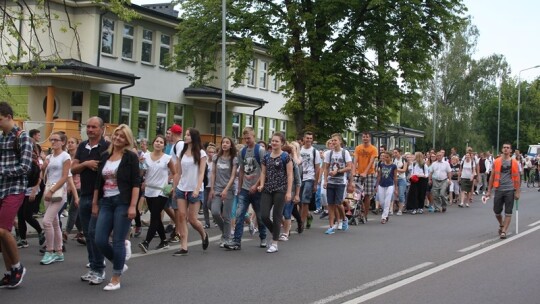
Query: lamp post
x=499, y=118
x=519, y=101
x=223, y=67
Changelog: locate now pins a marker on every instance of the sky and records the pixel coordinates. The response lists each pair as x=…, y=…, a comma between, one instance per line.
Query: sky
x=510, y=28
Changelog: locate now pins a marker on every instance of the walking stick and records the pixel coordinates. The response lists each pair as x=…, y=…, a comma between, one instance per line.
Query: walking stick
x=516, y=202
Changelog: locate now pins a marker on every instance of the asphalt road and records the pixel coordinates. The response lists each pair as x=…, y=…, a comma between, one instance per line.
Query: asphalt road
x=432, y=258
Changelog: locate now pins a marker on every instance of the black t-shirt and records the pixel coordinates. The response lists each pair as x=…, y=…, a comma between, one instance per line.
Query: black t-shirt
x=88, y=177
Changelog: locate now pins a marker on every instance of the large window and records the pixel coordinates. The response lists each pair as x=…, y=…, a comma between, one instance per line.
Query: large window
x=272, y=127
x=164, y=50
x=76, y=105
x=144, y=114
x=215, y=122
x=161, y=126
x=260, y=128
x=236, y=126
x=263, y=74
x=275, y=83
x=107, y=36
x=125, y=114
x=283, y=128
x=127, y=42
x=249, y=121
x=104, y=107
x=147, y=43
x=251, y=73
x=179, y=114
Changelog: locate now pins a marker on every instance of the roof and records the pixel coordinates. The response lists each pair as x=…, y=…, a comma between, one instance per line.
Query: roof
x=209, y=93
x=398, y=131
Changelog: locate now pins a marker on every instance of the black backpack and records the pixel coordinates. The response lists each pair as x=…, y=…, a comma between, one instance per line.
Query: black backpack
x=32, y=175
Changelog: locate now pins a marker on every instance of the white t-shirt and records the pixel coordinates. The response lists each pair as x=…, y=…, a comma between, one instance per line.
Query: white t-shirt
x=110, y=187
x=400, y=165
x=157, y=175
x=337, y=162
x=308, y=170
x=56, y=166
x=440, y=170
x=467, y=170
x=417, y=170
x=179, y=147
x=190, y=173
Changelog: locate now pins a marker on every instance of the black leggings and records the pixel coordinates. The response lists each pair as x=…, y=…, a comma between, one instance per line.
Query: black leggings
x=269, y=200
x=297, y=215
x=25, y=215
x=155, y=206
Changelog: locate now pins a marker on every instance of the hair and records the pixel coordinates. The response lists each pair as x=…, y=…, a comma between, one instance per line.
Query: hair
x=211, y=146
x=196, y=145
x=340, y=138
x=383, y=147
x=239, y=148
x=248, y=130
x=263, y=142
x=387, y=154
x=281, y=137
x=366, y=133
x=63, y=138
x=308, y=133
x=33, y=132
x=6, y=109
x=397, y=149
x=129, y=137
x=287, y=148
x=419, y=158
x=232, y=150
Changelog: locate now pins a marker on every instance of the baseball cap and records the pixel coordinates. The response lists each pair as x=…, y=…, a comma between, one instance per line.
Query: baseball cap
x=176, y=129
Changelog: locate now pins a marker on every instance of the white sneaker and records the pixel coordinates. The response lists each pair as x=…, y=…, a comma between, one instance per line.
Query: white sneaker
x=97, y=278
x=283, y=237
x=128, y=249
x=273, y=248
x=340, y=225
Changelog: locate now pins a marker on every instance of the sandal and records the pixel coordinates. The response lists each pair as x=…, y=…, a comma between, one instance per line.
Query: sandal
x=500, y=229
x=503, y=235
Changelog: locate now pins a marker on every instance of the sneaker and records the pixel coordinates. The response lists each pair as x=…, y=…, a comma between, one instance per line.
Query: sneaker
x=330, y=231
x=318, y=211
x=309, y=221
x=174, y=238
x=144, y=246
x=345, y=225
x=96, y=278
x=323, y=215
x=81, y=239
x=64, y=236
x=431, y=209
x=125, y=268
x=273, y=248
x=283, y=237
x=340, y=226
x=128, y=249
x=16, y=277
x=170, y=228
x=58, y=257
x=181, y=252
x=231, y=245
x=138, y=231
x=4, y=283
x=420, y=211
x=414, y=211
x=22, y=244
x=48, y=258
x=467, y=205
x=206, y=226
x=205, y=242
x=251, y=228
x=87, y=276
x=383, y=221
x=263, y=243
x=163, y=245
x=399, y=213
x=41, y=238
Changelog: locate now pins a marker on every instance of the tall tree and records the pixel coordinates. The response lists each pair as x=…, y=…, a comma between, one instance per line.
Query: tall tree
x=339, y=60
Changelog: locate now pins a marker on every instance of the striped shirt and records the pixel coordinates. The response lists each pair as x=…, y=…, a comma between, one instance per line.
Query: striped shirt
x=13, y=168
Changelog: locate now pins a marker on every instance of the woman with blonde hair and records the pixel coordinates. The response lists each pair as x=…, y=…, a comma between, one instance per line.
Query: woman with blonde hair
x=117, y=191
x=419, y=183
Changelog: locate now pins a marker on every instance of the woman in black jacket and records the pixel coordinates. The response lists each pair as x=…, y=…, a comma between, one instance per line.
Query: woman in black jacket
x=115, y=199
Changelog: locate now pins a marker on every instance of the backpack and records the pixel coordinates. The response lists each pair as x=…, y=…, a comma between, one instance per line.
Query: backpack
x=255, y=151
x=174, y=148
x=283, y=157
x=32, y=175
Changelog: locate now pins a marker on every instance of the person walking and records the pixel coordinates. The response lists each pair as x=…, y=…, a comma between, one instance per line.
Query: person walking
x=440, y=177
x=74, y=200
x=505, y=179
x=311, y=165
x=15, y=161
x=467, y=175
x=156, y=191
x=115, y=200
x=419, y=183
x=364, y=157
x=387, y=184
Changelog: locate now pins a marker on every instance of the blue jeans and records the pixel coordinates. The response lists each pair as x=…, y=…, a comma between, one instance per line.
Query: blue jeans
x=318, y=197
x=402, y=187
x=113, y=218
x=244, y=199
x=88, y=223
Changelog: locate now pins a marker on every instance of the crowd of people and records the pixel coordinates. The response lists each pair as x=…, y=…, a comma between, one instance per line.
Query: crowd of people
x=107, y=184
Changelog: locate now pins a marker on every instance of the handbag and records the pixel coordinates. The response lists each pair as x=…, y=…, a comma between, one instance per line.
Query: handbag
x=57, y=195
x=167, y=190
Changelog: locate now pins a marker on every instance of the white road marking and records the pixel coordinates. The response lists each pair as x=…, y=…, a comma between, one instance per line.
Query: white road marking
x=479, y=244
x=534, y=224
x=372, y=283
x=436, y=269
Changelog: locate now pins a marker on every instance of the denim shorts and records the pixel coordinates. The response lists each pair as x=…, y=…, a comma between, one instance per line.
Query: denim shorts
x=306, y=191
x=335, y=193
x=187, y=195
x=287, y=210
x=171, y=203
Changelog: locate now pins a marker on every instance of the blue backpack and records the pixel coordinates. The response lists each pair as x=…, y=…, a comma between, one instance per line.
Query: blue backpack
x=283, y=159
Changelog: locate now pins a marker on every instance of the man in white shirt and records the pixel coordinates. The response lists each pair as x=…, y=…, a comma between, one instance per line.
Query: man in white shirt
x=440, y=179
x=172, y=208
x=311, y=161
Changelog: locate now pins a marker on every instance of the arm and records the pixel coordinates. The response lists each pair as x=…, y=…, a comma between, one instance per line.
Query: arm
x=202, y=165
x=290, y=178
x=73, y=191
x=230, y=183
x=326, y=167
x=177, y=175
x=396, y=182
x=136, y=184
x=25, y=163
x=490, y=185
x=212, y=182
x=317, y=173
x=262, y=178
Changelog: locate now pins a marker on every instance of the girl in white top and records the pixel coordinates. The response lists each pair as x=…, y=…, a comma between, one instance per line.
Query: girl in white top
x=189, y=188
x=158, y=165
x=56, y=174
x=210, y=151
x=466, y=176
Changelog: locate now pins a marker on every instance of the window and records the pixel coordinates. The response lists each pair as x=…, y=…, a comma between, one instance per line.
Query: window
x=164, y=50
x=147, y=40
x=125, y=116
x=275, y=83
x=251, y=73
x=263, y=74
x=236, y=126
x=161, y=125
x=178, y=114
x=260, y=128
x=107, y=36
x=283, y=127
x=249, y=121
x=215, y=122
x=144, y=114
x=104, y=107
x=76, y=105
x=127, y=42
x=272, y=127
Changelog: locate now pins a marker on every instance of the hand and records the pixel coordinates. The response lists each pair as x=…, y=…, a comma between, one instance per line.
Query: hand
x=76, y=202
x=260, y=188
x=430, y=182
x=224, y=194
x=516, y=195
x=131, y=212
x=296, y=199
x=363, y=175
x=288, y=197
x=195, y=194
x=48, y=196
x=315, y=186
x=253, y=189
x=211, y=194
x=95, y=210
x=92, y=164
x=325, y=185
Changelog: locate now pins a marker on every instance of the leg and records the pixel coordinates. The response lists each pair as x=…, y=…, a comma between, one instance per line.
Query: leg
x=241, y=211
x=226, y=215
x=266, y=205
x=103, y=228
x=181, y=223
x=278, y=199
x=9, y=206
x=217, y=205
x=88, y=224
x=120, y=227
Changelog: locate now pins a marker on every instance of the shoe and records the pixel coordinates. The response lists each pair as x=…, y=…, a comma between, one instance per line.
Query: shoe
x=263, y=243
x=420, y=211
x=41, y=238
x=391, y=213
x=375, y=211
x=163, y=245
x=205, y=241
x=181, y=252
x=318, y=211
x=399, y=213
x=383, y=221
x=362, y=220
x=232, y=245
x=96, y=278
x=174, y=239
x=206, y=226
x=144, y=246
x=431, y=209
x=64, y=236
x=300, y=228
x=273, y=248
x=22, y=244
x=330, y=231
x=323, y=215
x=251, y=228
x=125, y=268
x=340, y=226
x=467, y=205
x=345, y=225
x=58, y=257
x=283, y=237
x=87, y=276
x=169, y=228
x=138, y=231
x=128, y=249
x=309, y=221
x=16, y=276
x=43, y=249
x=111, y=287
x=4, y=283
x=460, y=205
x=81, y=239
x=47, y=259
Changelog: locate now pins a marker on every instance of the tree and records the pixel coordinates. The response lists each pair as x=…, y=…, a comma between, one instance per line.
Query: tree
x=340, y=61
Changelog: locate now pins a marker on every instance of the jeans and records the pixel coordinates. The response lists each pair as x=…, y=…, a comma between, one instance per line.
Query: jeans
x=402, y=187
x=73, y=219
x=24, y=215
x=206, y=206
x=88, y=223
x=277, y=201
x=113, y=218
x=244, y=199
x=318, y=203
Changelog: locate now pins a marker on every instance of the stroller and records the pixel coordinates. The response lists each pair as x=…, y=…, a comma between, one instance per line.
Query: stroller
x=354, y=206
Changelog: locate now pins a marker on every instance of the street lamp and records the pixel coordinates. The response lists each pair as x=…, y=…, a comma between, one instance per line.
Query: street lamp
x=499, y=112
x=519, y=101
x=223, y=67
